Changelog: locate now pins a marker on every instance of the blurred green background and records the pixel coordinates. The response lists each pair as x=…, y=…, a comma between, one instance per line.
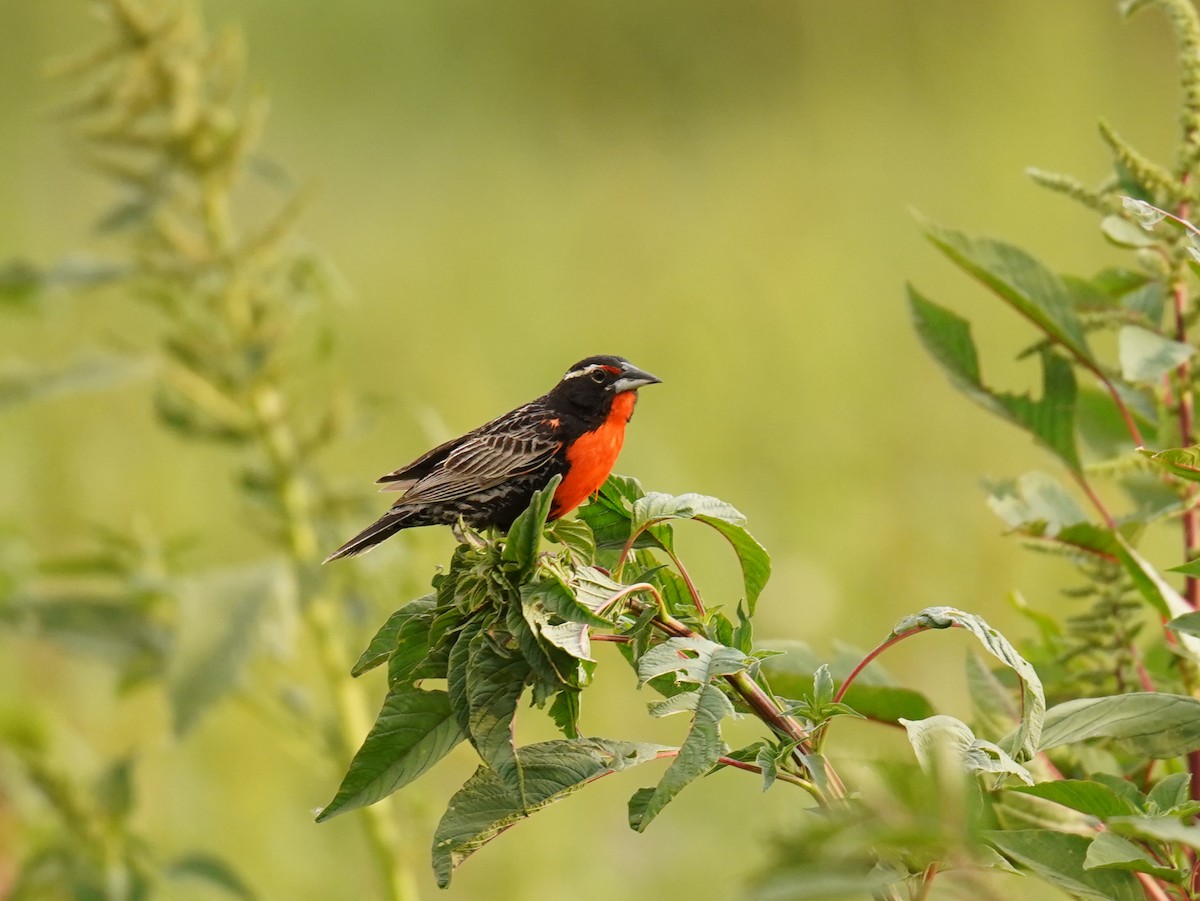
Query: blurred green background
x=719, y=192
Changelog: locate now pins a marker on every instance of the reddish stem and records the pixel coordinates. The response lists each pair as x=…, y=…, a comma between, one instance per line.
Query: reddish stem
x=866, y=661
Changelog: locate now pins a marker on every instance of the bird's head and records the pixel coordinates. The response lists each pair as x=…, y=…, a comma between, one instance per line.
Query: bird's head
x=593, y=383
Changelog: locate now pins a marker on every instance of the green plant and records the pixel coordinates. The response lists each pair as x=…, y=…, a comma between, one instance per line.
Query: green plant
x=1094, y=792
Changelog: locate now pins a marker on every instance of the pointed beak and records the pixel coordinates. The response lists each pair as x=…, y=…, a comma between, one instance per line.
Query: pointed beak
x=632, y=379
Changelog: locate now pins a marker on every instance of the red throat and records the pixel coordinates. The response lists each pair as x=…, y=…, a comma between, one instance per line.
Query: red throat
x=591, y=458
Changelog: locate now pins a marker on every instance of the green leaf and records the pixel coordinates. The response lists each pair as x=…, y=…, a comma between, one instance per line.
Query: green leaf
x=1034, y=291
x=217, y=635
x=1124, y=233
x=691, y=660
x=1188, y=623
x=791, y=674
x=1051, y=420
x=387, y=638
x=576, y=536
x=1035, y=499
x=1111, y=852
x=1147, y=356
x=525, y=535
x=944, y=735
x=1158, y=829
x=655, y=508
x=1092, y=798
x=1170, y=792
x=487, y=805
x=495, y=680
x=414, y=730
x=1183, y=462
x=1147, y=724
x=610, y=513
x=1155, y=589
x=1059, y=857
x=1023, y=744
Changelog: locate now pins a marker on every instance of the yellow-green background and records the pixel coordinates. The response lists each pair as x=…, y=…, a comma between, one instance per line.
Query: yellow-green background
x=718, y=191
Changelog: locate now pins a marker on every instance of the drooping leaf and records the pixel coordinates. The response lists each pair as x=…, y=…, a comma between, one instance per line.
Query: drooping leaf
x=385, y=640
x=495, y=680
x=1024, y=742
x=486, y=805
x=698, y=661
x=414, y=730
x=1033, y=290
x=1147, y=724
x=1092, y=798
x=1147, y=356
x=1058, y=857
x=655, y=508
x=1050, y=420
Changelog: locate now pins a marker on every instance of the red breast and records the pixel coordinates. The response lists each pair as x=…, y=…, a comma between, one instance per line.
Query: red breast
x=591, y=457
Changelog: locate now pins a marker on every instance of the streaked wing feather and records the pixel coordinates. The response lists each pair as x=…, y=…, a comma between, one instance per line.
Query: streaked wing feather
x=487, y=457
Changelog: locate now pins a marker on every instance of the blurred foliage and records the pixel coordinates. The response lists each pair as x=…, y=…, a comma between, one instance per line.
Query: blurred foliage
x=708, y=173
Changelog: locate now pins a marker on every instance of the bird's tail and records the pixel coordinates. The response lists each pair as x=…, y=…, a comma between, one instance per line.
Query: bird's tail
x=384, y=527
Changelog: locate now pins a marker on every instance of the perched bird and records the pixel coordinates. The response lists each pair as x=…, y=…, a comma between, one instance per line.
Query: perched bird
x=489, y=475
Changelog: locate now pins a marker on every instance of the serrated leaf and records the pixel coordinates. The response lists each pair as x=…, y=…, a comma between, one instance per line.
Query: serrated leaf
x=1147, y=724
x=1023, y=744
x=1093, y=798
x=698, y=755
x=1147, y=356
x=1058, y=857
x=495, y=680
x=414, y=730
x=386, y=639
x=1033, y=290
x=1111, y=852
x=1051, y=420
x=486, y=805
x=692, y=660
x=525, y=534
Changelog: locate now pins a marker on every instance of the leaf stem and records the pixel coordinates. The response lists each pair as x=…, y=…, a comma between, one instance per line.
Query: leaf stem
x=866, y=661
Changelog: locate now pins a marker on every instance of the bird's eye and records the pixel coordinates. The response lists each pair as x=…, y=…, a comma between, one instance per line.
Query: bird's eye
x=598, y=376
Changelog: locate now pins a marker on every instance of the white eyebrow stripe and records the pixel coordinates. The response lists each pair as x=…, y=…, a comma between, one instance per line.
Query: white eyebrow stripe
x=575, y=373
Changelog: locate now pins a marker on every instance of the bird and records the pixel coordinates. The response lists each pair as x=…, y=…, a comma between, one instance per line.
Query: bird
x=487, y=477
